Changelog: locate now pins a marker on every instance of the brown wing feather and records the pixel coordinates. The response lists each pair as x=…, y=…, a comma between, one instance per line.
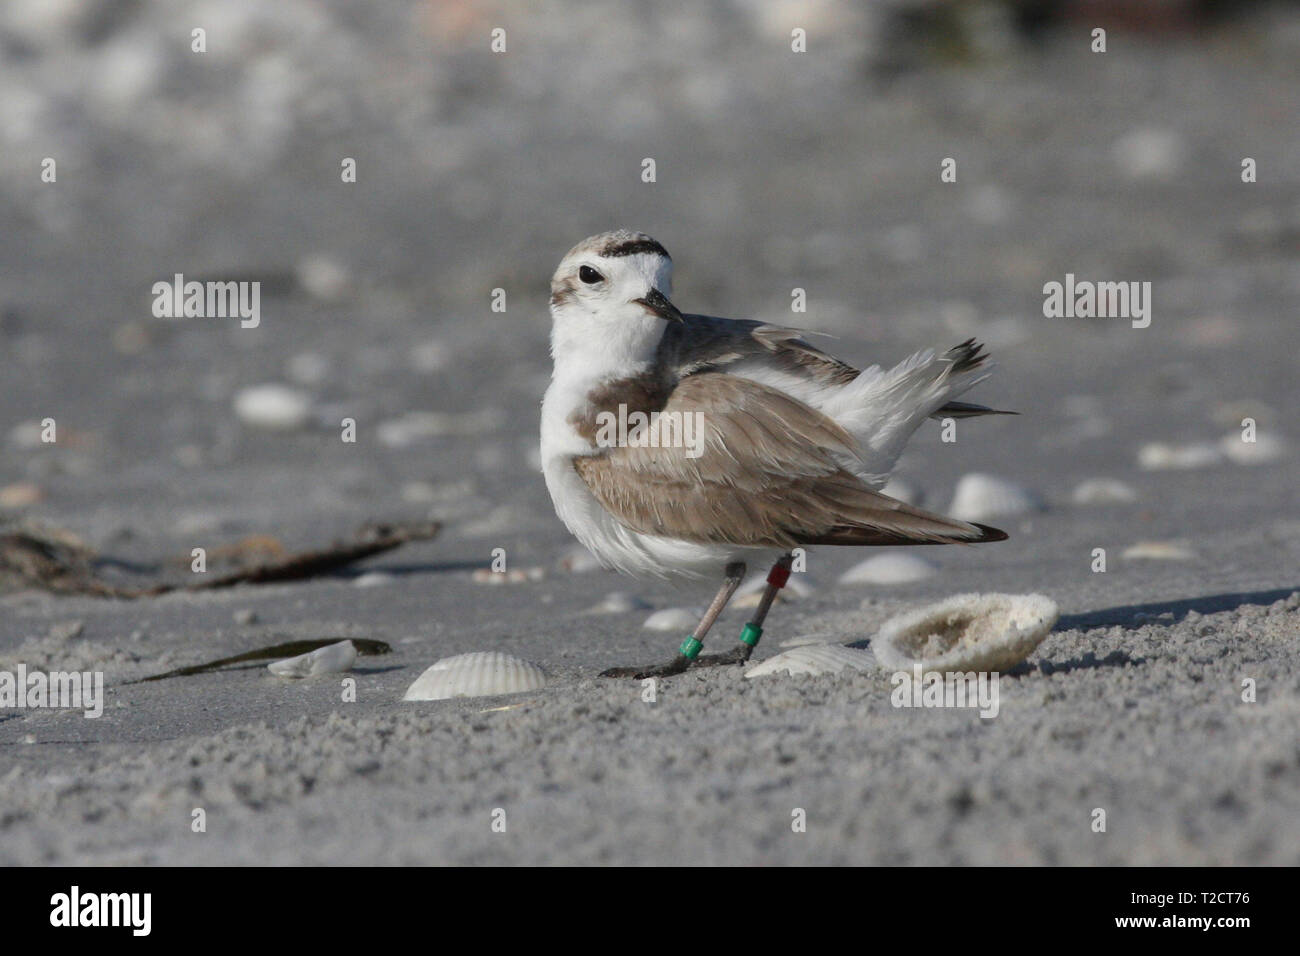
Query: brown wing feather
x=768, y=476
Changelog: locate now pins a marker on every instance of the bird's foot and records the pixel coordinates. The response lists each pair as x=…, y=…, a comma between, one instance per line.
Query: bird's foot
x=681, y=663
x=677, y=665
x=737, y=655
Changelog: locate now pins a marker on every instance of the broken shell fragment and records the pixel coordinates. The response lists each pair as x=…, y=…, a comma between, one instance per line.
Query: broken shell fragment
x=813, y=660
x=894, y=568
x=968, y=632
x=979, y=496
x=477, y=674
x=332, y=659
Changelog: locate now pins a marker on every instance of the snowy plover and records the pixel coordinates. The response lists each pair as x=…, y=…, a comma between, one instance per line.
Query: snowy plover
x=791, y=444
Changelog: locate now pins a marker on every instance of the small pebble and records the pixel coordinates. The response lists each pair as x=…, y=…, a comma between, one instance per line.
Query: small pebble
x=273, y=407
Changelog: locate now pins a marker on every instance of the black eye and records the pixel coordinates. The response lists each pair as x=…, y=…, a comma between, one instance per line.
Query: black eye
x=590, y=276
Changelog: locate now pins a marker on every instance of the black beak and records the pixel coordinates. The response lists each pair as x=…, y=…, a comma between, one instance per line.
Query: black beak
x=657, y=303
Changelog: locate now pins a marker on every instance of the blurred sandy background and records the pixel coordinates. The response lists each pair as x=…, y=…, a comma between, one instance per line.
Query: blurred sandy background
x=775, y=170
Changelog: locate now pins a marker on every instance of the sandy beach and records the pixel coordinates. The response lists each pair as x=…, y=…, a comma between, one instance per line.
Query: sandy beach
x=775, y=170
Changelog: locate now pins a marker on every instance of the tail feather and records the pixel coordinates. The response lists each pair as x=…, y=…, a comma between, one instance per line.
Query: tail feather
x=969, y=355
x=881, y=409
x=968, y=410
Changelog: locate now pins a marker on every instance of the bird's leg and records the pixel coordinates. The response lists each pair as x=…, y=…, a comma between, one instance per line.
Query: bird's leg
x=690, y=649
x=776, y=579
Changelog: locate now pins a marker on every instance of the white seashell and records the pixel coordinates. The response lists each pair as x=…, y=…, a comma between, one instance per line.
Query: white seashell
x=749, y=594
x=373, y=579
x=478, y=674
x=806, y=639
x=981, y=496
x=673, y=619
x=896, y=567
x=1102, y=491
x=619, y=602
x=1158, y=551
x=905, y=490
x=272, y=407
x=331, y=659
x=1265, y=448
x=578, y=560
x=1158, y=456
x=814, y=660
x=968, y=632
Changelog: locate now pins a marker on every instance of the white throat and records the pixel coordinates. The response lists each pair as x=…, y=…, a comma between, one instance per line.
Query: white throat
x=591, y=349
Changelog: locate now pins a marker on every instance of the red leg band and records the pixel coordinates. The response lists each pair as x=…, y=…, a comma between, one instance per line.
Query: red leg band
x=779, y=574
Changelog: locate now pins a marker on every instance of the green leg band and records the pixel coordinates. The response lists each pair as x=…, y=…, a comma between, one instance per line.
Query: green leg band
x=751, y=634
x=690, y=648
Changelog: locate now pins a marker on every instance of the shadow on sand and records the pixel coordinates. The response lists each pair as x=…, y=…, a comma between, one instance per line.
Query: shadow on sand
x=1135, y=615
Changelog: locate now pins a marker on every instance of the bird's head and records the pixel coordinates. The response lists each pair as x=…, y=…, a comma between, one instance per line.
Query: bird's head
x=610, y=293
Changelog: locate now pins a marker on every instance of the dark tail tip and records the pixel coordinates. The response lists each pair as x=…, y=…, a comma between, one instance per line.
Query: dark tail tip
x=990, y=534
x=967, y=356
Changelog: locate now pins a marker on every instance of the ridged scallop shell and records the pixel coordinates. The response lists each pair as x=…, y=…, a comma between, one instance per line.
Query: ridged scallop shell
x=331, y=659
x=980, y=496
x=897, y=567
x=673, y=619
x=968, y=632
x=478, y=674
x=813, y=660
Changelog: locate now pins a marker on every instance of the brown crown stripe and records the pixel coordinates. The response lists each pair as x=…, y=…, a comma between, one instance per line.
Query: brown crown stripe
x=632, y=247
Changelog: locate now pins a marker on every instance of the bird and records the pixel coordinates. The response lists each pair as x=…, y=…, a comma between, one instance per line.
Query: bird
x=765, y=443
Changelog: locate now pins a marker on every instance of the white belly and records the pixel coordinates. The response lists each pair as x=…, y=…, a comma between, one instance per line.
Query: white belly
x=615, y=545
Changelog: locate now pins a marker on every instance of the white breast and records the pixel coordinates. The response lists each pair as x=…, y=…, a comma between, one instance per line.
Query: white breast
x=616, y=546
